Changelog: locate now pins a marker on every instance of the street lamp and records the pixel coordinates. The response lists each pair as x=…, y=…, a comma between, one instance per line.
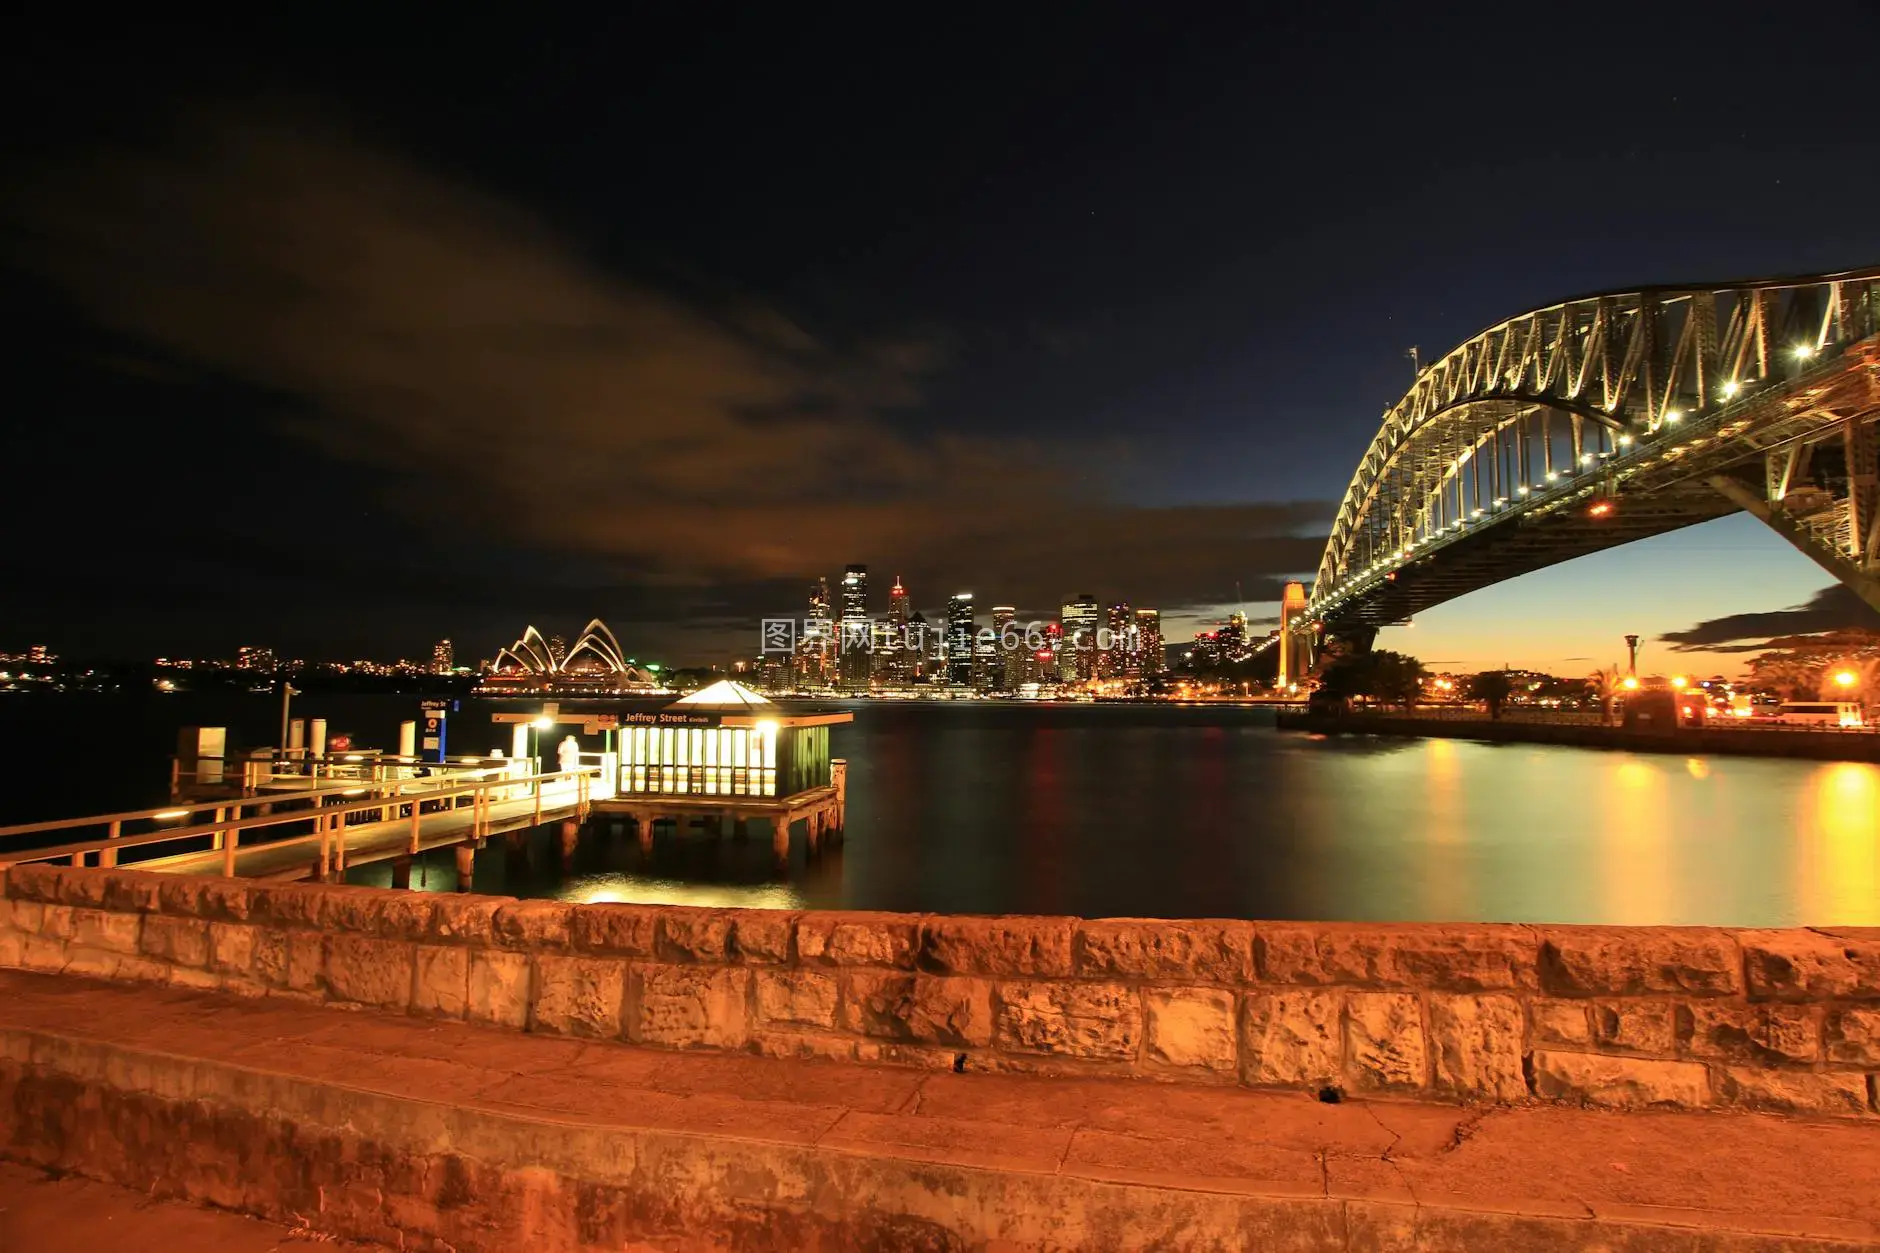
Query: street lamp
x=1679, y=681
x=1846, y=678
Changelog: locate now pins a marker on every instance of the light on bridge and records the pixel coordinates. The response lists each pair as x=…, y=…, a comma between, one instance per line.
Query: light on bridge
x=1625, y=441
x=1729, y=389
x=1600, y=508
x=1673, y=416
x=1522, y=490
x=1804, y=351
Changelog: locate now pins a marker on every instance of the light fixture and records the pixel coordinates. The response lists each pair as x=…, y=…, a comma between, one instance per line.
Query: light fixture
x=1804, y=351
x=1673, y=416
x=1729, y=389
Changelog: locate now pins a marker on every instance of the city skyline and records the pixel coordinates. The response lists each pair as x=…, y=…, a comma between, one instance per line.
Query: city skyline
x=1122, y=364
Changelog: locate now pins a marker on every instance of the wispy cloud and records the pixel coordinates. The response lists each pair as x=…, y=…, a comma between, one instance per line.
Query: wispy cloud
x=454, y=343
x=1832, y=608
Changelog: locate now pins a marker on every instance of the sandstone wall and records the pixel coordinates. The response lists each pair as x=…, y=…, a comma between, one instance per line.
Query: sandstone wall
x=1784, y=1021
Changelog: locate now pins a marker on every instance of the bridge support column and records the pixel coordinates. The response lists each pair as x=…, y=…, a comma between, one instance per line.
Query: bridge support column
x=466, y=866
x=1862, y=583
x=1292, y=605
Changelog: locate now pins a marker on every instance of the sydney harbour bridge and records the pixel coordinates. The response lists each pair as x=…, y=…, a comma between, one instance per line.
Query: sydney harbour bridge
x=1611, y=418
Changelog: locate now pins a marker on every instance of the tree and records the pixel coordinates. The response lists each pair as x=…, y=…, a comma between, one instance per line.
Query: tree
x=1491, y=687
x=1381, y=675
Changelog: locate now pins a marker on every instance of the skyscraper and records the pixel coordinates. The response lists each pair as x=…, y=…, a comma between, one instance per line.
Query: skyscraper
x=1080, y=636
x=892, y=645
x=856, y=632
x=443, y=657
x=1009, y=649
x=815, y=649
x=1149, y=639
x=960, y=640
x=897, y=603
x=1120, y=660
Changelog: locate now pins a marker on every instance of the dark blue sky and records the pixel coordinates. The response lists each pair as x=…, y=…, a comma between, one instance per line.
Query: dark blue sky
x=457, y=323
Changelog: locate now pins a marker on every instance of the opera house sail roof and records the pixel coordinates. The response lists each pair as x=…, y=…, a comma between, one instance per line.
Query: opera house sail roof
x=596, y=663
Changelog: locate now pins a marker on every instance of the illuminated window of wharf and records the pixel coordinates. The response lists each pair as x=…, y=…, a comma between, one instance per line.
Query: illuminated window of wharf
x=700, y=761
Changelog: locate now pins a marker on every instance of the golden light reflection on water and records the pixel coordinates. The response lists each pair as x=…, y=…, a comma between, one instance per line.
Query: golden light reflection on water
x=636, y=890
x=1837, y=872
x=1634, y=856
x=1444, y=881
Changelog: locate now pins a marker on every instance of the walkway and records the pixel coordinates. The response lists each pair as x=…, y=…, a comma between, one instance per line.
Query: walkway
x=368, y=841
x=41, y=1211
x=387, y=1127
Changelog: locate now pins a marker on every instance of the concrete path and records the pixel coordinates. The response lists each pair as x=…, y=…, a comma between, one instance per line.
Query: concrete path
x=45, y=1212
x=724, y=1150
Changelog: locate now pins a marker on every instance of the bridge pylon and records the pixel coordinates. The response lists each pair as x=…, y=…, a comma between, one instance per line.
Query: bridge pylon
x=1295, y=636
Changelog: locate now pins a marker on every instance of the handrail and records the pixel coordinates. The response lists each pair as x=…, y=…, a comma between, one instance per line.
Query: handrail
x=229, y=829
x=190, y=807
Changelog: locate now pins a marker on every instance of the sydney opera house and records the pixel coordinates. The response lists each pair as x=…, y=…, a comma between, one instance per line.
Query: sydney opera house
x=594, y=665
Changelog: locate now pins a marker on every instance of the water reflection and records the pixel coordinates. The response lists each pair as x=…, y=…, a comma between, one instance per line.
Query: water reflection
x=1208, y=812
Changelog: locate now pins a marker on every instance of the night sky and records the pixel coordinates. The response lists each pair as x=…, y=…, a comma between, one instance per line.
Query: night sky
x=341, y=338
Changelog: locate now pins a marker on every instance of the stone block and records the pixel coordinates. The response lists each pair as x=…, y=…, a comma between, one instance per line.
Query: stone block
x=56, y=922
x=1837, y=1093
x=181, y=895
x=1199, y=951
x=1853, y=1036
x=34, y=881
x=1385, y=1047
x=1190, y=1027
x=919, y=1008
x=858, y=939
x=578, y=996
x=1797, y=965
x=231, y=948
x=463, y=919
x=499, y=988
x=691, y=1006
x=179, y=941
x=537, y=926
x=388, y=913
x=442, y=983
x=1012, y=945
x=763, y=935
x=1476, y=1047
x=23, y=916
x=1620, y=1082
x=1763, y=1034
x=103, y=964
x=1636, y=1026
x=290, y=904
x=1100, y=1021
x=101, y=929
x=1292, y=1037
x=368, y=970
x=38, y=952
x=1459, y=959
x=1561, y=1022
x=132, y=891
x=626, y=930
x=79, y=886
x=805, y=997
x=285, y=959
x=223, y=900
x=1640, y=961
x=694, y=935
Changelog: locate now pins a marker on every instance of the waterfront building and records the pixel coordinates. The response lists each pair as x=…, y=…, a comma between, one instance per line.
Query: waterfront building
x=1121, y=659
x=1080, y=620
x=960, y=640
x=260, y=660
x=855, y=633
x=443, y=657
x=722, y=740
x=1149, y=643
x=595, y=664
x=1010, y=648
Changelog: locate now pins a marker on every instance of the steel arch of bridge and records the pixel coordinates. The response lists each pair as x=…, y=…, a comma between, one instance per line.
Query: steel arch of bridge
x=1657, y=401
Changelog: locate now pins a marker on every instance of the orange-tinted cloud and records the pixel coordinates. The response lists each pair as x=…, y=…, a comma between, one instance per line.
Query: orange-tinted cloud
x=444, y=338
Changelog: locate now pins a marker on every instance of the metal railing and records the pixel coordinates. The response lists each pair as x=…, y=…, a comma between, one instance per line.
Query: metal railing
x=389, y=801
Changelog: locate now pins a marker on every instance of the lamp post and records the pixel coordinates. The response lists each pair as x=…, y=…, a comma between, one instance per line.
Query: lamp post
x=288, y=692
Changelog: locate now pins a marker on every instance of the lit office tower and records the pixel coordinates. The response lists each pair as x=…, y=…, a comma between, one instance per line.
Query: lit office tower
x=1008, y=650
x=815, y=648
x=443, y=657
x=892, y=663
x=855, y=631
x=1080, y=636
x=960, y=640
x=1149, y=639
x=897, y=603
x=1120, y=660
x=248, y=657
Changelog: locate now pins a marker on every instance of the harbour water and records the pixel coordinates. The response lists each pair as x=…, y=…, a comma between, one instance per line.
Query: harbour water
x=1136, y=810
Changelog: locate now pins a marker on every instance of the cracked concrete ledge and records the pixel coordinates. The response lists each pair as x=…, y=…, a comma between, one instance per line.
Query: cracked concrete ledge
x=434, y=1135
